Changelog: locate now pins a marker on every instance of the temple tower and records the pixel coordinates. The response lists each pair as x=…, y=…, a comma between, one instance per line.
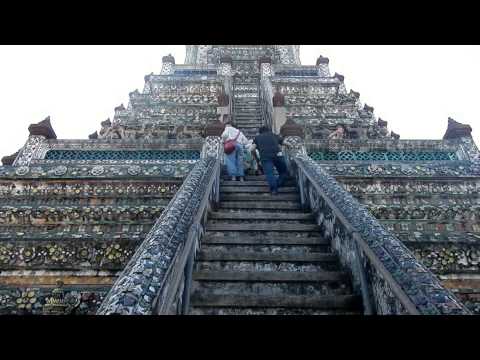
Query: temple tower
x=131, y=220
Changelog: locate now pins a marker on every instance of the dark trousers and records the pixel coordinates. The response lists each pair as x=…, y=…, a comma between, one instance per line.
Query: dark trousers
x=279, y=163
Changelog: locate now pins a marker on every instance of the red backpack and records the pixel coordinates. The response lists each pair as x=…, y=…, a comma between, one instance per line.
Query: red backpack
x=229, y=145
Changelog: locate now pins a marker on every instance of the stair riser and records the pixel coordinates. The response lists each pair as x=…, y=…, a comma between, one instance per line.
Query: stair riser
x=256, y=226
x=279, y=205
x=285, y=239
x=263, y=184
x=327, y=302
x=262, y=234
x=266, y=266
x=255, y=216
x=281, y=249
x=259, y=197
x=267, y=311
x=268, y=277
x=274, y=289
x=255, y=189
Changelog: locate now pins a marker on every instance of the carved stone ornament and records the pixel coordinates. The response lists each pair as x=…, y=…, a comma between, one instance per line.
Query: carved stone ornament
x=22, y=170
x=8, y=160
x=43, y=128
x=168, y=59
x=339, y=77
x=457, y=130
x=214, y=129
x=355, y=94
x=395, y=136
x=322, y=60
x=264, y=60
x=291, y=128
x=382, y=123
x=226, y=59
x=368, y=108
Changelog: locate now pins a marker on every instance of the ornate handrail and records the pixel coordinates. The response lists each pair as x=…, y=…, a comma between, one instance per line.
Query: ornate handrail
x=157, y=278
x=385, y=272
x=265, y=97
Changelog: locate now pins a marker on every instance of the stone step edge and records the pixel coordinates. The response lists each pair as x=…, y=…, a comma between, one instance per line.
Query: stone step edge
x=259, y=215
x=262, y=227
x=251, y=240
x=270, y=276
x=206, y=255
x=200, y=299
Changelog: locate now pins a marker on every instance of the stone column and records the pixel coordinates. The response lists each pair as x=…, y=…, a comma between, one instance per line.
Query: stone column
x=323, y=68
x=279, y=111
x=168, y=65
x=225, y=68
x=265, y=65
x=223, y=109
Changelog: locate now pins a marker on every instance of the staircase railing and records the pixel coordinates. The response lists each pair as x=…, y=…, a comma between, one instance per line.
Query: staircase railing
x=265, y=95
x=385, y=272
x=157, y=279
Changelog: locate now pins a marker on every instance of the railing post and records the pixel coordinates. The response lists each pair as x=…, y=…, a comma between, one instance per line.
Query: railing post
x=188, y=277
x=364, y=287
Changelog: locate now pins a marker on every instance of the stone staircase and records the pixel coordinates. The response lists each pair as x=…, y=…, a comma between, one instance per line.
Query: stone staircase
x=263, y=254
x=247, y=111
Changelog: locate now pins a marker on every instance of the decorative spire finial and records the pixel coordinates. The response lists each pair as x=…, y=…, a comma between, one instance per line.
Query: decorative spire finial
x=322, y=60
x=457, y=130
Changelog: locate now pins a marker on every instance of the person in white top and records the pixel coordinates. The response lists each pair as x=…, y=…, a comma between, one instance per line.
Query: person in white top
x=234, y=160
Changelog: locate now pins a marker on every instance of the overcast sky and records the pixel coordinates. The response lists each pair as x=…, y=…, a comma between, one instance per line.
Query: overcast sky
x=414, y=88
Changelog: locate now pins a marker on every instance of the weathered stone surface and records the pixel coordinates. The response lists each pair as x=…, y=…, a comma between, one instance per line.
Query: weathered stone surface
x=43, y=128
x=457, y=130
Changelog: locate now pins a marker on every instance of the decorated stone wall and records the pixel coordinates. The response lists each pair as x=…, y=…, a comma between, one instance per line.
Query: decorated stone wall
x=428, y=199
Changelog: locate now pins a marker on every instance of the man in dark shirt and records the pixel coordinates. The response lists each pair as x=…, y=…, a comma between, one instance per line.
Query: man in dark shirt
x=268, y=145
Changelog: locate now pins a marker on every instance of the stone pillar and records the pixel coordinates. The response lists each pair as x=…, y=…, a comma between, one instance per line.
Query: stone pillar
x=39, y=133
x=225, y=68
x=323, y=68
x=223, y=104
x=265, y=66
x=212, y=147
x=279, y=111
x=168, y=65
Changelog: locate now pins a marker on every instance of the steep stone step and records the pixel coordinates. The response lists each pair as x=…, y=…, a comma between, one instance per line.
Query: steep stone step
x=243, y=239
x=206, y=255
x=271, y=276
x=267, y=266
x=276, y=205
x=318, y=302
x=271, y=311
x=271, y=288
x=259, y=197
x=261, y=183
x=269, y=248
x=246, y=126
x=249, y=215
x=262, y=177
x=258, y=226
x=255, y=189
